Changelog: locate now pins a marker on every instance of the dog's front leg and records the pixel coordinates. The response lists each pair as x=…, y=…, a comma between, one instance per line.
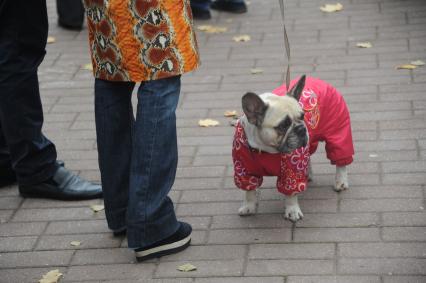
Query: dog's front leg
x=249, y=206
x=292, y=209
x=341, y=179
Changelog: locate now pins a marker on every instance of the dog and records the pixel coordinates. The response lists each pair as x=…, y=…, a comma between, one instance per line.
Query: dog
x=278, y=133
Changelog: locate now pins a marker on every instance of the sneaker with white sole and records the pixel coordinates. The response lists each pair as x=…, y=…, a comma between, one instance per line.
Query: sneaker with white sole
x=177, y=242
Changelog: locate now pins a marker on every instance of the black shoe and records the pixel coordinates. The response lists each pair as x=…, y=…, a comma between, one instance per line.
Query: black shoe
x=7, y=175
x=201, y=14
x=177, y=242
x=69, y=26
x=225, y=6
x=64, y=185
x=119, y=233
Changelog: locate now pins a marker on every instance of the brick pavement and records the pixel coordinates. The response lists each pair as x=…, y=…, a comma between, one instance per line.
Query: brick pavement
x=375, y=232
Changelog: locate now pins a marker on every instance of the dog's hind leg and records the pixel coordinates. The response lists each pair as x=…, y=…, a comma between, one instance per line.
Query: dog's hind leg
x=341, y=179
x=249, y=206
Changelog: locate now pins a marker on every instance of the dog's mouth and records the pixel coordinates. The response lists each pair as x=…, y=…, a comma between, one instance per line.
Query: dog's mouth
x=294, y=141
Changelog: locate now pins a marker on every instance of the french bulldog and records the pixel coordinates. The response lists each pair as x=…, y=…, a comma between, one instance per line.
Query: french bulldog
x=278, y=134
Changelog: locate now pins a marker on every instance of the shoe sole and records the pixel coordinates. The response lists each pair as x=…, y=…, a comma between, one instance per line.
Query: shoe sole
x=163, y=250
x=58, y=196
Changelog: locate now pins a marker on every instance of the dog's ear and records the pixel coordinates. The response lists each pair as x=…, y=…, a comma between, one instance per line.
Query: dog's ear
x=297, y=89
x=254, y=108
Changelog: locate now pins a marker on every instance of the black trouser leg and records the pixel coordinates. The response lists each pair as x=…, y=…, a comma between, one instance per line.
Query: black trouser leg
x=23, y=34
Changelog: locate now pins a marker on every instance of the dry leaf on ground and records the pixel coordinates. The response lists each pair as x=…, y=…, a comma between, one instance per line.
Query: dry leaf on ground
x=417, y=63
x=88, y=66
x=208, y=123
x=97, y=207
x=187, y=267
x=212, y=29
x=364, y=44
x=51, y=39
x=75, y=243
x=242, y=38
x=406, y=67
x=230, y=113
x=51, y=277
x=330, y=8
x=255, y=71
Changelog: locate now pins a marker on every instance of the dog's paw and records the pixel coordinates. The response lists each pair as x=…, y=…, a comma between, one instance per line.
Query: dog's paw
x=293, y=213
x=341, y=185
x=247, y=209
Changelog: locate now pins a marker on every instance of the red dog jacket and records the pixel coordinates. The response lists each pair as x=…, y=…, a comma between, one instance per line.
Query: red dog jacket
x=326, y=118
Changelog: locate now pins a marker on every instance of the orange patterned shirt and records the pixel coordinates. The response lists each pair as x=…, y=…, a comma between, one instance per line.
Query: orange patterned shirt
x=141, y=40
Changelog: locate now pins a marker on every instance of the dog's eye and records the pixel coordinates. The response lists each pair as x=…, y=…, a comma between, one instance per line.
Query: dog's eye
x=283, y=126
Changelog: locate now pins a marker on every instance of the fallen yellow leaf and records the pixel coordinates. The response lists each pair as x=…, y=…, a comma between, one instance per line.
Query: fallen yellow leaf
x=364, y=44
x=88, y=66
x=242, y=38
x=255, y=71
x=51, y=277
x=417, y=63
x=212, y=29
x=330, y=8
x=187, y=267
x=75, y=243
x=208, y=123
x=406, y=67
x=51, y=39
x=97, y=207
x=230, y=113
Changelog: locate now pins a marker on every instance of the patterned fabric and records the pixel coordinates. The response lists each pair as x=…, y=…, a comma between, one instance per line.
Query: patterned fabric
x=327, y=119
x=141, y=40
x=250, y=166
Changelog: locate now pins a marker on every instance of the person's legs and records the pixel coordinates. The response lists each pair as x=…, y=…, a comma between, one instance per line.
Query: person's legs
x=151, y=217
x=114, y=123
x=23, y=34
x=7, y=175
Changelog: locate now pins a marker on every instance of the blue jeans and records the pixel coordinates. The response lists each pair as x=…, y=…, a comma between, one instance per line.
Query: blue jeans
x=138, y=157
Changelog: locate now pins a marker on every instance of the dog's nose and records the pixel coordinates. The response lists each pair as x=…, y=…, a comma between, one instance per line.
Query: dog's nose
x=300, y=130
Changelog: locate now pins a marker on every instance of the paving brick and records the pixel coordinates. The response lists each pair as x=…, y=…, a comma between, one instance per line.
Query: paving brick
x=103, y=256
x=380, y=205
x=212, y=252
x=404, y=219
x=404, y=179
x=51, y=214
x=244, y=279
x=255, y=221
x=17, y=244
x=204, y=269
x=88, y=241
x=5, y=215
x=26, y=275
x=397, y=266
x=289, y=267
x=336, y=234
x=110, y=272
x=10, y=202
x=405, y=279
x=22, y=229
x=404, y=233
x=318, y=220
x=35, y=259
x=333, y=279
x=388, y=250
x=249, y=236
x=292, y=251
x=390, y=191
x=48, y=203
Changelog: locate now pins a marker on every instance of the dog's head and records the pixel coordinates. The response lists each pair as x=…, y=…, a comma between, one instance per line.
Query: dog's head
x=278, y=120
